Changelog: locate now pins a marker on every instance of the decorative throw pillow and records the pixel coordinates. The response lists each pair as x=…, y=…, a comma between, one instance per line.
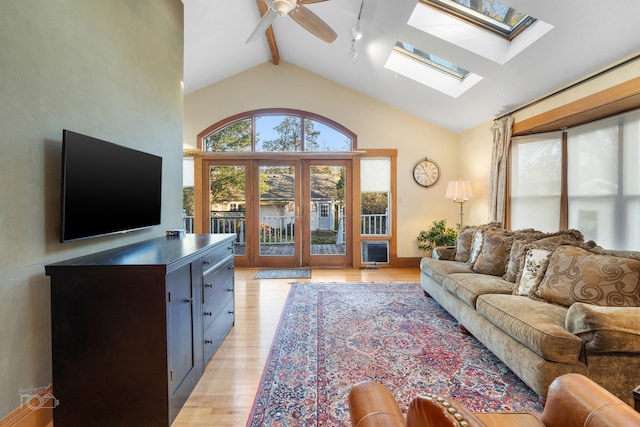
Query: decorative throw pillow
x=577, y=275
x=518, y=251
x=476, y=247
x=478, y=239
x=533, y=266
x=494, y=254
x=516, y=255
x=541, y=240
x=463, y=243
x=563, y=237
x=621, y=253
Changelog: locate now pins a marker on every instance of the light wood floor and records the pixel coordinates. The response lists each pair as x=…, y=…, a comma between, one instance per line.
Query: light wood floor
x=224, y=396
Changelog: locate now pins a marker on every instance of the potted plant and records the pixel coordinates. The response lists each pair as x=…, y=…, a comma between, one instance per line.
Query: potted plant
x=438, y=235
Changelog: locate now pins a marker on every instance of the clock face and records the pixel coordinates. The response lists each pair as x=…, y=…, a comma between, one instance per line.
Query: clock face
x=426, y=173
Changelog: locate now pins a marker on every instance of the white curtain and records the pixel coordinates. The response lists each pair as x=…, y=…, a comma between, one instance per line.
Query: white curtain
x=499, y=160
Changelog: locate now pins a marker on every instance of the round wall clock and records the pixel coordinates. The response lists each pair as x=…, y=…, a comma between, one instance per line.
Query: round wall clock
x=426, y=172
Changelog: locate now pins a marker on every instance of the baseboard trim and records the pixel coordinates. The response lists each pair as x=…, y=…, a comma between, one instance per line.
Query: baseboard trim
x=408, y=262
x=36, y=412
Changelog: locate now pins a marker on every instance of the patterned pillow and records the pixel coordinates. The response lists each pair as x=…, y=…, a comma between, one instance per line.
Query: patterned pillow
x=494, y=254
x=518, y=251
x=463, y=243
x=534, y=265
x=476, y=247
x=621, y=253
x=577, y=275
x=478, y=239
x=540, y=241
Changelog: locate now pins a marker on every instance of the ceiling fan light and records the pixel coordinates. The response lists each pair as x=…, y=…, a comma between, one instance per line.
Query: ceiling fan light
x=283, y=7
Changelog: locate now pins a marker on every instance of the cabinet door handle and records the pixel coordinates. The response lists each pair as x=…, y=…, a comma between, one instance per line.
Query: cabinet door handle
x=208, y=313
x=208, y=341
x=230, y=289
x=208, y=285
x=230, y=267
x=206, y=262
x=190, y=300
x=231, y=312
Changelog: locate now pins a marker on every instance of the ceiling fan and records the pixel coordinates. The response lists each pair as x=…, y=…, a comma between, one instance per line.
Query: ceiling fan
x=297, y=10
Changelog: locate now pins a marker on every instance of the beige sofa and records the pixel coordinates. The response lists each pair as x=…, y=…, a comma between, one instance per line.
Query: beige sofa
x=545, y=304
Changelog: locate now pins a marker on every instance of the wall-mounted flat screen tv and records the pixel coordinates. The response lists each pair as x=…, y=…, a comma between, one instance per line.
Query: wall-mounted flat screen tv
x=107, y=188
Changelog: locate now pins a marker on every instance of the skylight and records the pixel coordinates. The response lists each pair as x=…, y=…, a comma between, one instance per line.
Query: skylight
x=430, y=70
x=452, y=28
x=431, y=60
x=491, y=15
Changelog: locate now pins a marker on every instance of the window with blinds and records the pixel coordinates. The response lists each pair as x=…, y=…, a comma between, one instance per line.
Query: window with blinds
x=600, y=176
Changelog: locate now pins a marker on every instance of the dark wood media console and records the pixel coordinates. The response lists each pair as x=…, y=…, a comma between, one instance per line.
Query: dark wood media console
x=133, y=327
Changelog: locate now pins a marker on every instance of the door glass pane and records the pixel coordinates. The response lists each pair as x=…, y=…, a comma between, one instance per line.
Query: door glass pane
x=227, y=186
x=188, y=195
x=277, y=214
x=328, y=225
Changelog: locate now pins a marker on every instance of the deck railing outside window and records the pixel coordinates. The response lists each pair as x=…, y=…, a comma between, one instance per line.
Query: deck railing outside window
x=279, y=229
x=374, y=224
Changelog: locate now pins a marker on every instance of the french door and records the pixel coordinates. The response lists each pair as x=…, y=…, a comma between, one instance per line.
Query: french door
x=285, y=212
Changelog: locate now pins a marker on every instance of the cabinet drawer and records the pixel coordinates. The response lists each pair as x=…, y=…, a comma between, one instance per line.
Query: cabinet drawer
x=212, y=258
x=217, y=281
x=216, y=307
x=217, y=331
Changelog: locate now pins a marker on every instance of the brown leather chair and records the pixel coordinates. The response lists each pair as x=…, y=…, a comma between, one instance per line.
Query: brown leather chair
x=573, y=400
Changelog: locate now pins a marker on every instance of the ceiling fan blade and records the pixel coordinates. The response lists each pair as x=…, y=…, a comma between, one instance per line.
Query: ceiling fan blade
x=267, y=19
x=312, y=23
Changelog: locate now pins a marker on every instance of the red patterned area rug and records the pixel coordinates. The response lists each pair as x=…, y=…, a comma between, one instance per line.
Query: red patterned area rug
x=334, y=335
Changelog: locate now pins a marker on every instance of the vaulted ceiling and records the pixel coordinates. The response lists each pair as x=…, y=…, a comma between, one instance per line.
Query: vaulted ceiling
x=587, y=35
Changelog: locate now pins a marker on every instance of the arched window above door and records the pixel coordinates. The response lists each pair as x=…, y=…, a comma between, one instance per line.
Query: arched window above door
x=277, y=130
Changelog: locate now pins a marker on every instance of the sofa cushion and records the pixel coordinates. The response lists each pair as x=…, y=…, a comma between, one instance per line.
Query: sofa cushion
x=469, y=286
x=442, y=267
x=536, y=324
x=577, y=275
x=605, y=329
x=494, y=254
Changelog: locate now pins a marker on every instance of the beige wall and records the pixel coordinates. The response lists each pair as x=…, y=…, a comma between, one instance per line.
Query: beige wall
x=110, y=69
x=377, y=125
x=475, y=147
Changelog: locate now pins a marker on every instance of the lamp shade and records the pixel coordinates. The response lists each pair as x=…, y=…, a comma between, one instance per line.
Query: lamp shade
x=459, y=190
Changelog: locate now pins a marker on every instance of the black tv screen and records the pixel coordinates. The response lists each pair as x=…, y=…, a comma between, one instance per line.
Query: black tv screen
x=107, y=188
